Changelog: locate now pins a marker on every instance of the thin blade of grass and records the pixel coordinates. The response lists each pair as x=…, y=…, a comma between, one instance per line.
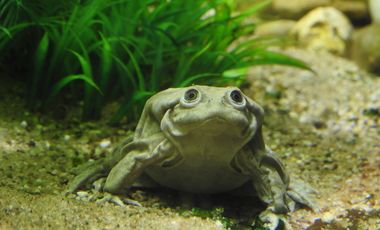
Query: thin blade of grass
x=140, y=77
x=253, y=10
x=190, y=80
x=57, y=87
x=40, y=57
x=85, y=65
x=6, y=31
x=264, y=57
x=183, y=71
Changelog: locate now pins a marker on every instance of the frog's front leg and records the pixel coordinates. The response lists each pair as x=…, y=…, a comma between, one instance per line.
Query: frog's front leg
x=126, y=171
x=269, y=185
x=91, y=171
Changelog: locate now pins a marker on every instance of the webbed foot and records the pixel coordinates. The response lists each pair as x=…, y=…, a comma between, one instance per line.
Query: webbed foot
x=117, y=200
x=272, y=221
x=302, y=194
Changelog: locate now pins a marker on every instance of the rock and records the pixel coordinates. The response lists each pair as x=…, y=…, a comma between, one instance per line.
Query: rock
x=275, y=28
x=365, y=48
x=356, y=10
x=374, y=10
x=24, y=124
x=295, y=9
x=82, y=194
x=328, y=217
x=324, y=28
x=66, y=137
x=105, y=143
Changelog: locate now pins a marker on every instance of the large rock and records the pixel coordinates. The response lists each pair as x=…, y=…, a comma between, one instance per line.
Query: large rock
x=295, y=9
x=323, y=28
x=275, y=28
x=356, y=10
x=365, y=48
x=374, y=9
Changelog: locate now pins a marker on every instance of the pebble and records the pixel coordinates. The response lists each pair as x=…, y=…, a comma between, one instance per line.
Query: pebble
x=328, y=217
x=82, y=194
x=98, y=184
x=24, y=124
x=47, y=145
x=66, y=137
x=105, y=143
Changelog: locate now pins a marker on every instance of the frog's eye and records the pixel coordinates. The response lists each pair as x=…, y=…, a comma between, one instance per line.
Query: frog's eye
x=191, y=98
x=236, y=99
x=191, y=95
x=236, y=96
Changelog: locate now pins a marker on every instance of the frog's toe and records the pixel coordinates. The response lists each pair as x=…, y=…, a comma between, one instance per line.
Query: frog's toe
x=302, y=193
x=303, y=199
x=272, y=221
x=280, y=207
x=118, y=200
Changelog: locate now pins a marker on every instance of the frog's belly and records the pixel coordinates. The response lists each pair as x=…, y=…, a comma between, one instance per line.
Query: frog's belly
x=207, y=177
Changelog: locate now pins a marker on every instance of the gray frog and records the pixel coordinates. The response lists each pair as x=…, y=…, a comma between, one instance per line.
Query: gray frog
x=200, y=139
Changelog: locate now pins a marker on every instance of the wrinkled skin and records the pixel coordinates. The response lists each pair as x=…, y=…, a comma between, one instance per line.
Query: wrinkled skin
x=200, y=139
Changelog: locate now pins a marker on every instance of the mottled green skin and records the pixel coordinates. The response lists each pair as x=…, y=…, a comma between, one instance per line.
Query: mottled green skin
x=210, y=144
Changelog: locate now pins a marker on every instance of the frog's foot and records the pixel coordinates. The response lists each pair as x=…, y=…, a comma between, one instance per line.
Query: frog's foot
x=97, y=195
x=89, y=173
x=117, y=200
x=302, y=194
x=272, y=221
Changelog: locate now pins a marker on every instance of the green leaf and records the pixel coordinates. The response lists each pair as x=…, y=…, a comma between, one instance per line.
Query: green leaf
x=40, y=58
x=184, y=70
x=85, y=64
x=190, y=80
x=57, y=87
x=141, y=95
x=6, y=31
x=42, y=49
x=269, y=57
x=235, y=73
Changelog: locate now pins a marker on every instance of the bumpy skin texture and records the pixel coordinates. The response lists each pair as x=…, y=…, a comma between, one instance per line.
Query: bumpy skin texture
x=199, y=139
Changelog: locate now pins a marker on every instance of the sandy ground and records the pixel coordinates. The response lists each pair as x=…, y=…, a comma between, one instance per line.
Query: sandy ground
x=324, y=126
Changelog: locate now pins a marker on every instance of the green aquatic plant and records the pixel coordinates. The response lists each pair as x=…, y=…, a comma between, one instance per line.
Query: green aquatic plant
x=214, y=214
x=99, y=50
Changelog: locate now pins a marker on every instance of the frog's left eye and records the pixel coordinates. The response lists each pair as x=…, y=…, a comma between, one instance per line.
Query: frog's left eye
x=236, y=96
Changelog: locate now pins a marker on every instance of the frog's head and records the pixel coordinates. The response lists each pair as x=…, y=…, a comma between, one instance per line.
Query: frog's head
x=212, y=111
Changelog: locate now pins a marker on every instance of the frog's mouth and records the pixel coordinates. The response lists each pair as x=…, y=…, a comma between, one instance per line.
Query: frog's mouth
x=213, y=126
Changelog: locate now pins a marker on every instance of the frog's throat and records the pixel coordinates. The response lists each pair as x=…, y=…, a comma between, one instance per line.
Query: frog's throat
x=169, y=127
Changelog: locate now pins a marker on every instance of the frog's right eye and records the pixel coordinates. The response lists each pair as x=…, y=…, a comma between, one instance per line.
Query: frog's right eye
x=191, y=97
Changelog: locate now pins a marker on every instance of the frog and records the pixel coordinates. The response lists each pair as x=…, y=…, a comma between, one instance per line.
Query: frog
x=201, y=140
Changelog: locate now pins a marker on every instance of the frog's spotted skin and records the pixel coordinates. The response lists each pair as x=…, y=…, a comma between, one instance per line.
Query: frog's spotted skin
x=199, y=139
